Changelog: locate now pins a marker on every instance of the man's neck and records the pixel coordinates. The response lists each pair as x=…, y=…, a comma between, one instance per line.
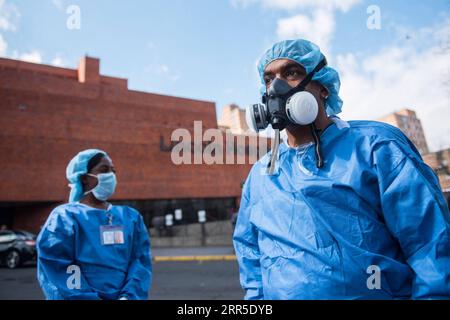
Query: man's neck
x=298, y=135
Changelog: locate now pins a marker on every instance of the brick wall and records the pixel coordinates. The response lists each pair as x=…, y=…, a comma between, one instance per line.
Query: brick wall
x=48, y=114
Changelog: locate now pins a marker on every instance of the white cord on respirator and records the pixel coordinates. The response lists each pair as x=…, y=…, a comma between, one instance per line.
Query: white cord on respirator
x=276, y=144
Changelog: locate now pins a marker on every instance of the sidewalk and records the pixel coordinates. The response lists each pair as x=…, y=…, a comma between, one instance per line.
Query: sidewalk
x=194, y=254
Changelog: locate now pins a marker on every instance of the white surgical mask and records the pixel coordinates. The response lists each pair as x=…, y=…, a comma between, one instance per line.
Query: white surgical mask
x=105, y=187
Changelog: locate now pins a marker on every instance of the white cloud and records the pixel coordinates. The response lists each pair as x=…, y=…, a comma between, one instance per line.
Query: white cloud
x=342, y=5
x=243, y=3
x=316, y=22
x=58, y=4
x=318, y=29
x=402, y=76
x=3, y=46
x=33, y=56
x=58, y=61
x=309, y=19
x=8, y=16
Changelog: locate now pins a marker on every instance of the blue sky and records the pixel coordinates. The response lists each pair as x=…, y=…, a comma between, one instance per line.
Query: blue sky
x=207, y=49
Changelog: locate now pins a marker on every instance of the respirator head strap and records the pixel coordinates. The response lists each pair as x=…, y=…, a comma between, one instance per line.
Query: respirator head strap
x=273, y=158
x=314, y=132
x=301, y=86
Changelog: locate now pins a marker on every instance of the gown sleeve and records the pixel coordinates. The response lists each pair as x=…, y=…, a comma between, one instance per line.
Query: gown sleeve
x=417, y=215
x=139, y=275
x=58, y=276
x=245, y=240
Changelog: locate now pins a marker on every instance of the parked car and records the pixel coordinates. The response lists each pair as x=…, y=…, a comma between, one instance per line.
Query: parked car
x=16, y=248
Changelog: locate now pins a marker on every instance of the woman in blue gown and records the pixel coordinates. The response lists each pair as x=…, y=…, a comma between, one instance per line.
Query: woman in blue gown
x=89, y=248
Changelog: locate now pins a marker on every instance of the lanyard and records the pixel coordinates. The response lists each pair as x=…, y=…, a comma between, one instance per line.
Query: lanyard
x=110, y=218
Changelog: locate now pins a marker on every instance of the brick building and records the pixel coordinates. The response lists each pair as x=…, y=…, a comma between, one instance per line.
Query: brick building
x=48, y=114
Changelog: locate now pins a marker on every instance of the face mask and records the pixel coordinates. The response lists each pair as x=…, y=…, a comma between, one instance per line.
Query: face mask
x=105, y=187
x=283, y=105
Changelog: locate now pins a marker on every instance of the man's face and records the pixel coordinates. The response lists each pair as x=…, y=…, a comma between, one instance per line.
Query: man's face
x=292, y=73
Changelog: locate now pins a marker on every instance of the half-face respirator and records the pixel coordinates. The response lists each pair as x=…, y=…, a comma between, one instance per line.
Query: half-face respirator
x=283, y=105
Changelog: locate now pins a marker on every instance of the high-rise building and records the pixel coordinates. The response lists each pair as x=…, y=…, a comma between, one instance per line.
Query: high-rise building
x=233, y=118
x=407, y=121
x=439, y=161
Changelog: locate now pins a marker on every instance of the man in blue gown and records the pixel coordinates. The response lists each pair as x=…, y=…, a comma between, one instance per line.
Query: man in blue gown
x=370, y=222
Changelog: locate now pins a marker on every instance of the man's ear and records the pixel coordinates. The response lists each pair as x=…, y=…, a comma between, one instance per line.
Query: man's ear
x=324, y=93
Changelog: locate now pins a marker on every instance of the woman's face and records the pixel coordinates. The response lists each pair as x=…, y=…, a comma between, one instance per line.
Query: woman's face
x=104, y=166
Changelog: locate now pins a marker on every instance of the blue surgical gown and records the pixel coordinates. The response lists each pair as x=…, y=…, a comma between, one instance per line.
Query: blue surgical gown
x=374, y=210
x=71, y=236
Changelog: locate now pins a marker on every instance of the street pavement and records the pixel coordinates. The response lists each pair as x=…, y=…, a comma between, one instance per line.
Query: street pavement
x=190, y=278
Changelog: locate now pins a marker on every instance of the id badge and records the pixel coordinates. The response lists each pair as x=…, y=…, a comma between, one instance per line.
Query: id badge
x=111, y=235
